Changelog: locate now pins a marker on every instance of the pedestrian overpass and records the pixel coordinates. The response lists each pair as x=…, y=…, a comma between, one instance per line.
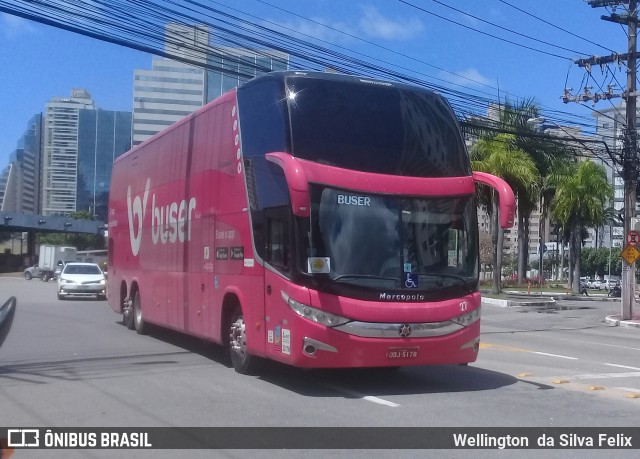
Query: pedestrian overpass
x=13, y=222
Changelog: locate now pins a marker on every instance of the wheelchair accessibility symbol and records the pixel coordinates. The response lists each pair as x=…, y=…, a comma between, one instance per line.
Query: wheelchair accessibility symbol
x=411, y=280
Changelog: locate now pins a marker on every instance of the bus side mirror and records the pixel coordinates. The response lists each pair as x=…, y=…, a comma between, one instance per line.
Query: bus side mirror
x=507, y=201
x=296, y=181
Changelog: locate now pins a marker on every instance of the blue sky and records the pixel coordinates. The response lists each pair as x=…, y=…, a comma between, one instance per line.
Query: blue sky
x=39, y=62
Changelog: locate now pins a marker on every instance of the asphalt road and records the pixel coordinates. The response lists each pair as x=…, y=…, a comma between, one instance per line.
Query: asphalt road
x=71, y=363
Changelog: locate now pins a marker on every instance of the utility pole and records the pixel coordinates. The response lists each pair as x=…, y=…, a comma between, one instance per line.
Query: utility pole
x=629, y=158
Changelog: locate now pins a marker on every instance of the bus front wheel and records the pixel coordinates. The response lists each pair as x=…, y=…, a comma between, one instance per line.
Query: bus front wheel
x=242, y=361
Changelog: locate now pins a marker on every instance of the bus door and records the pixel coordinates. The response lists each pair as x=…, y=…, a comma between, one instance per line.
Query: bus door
x=278, y=266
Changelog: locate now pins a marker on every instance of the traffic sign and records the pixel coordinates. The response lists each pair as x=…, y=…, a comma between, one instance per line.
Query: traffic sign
x=633, y=237
x=630, y=254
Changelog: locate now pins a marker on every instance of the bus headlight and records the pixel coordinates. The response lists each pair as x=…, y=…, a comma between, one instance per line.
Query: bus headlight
x=467, y=319
x=314, y=314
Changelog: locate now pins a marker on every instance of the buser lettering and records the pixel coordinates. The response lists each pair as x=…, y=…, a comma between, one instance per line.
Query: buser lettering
x=354, y=200
x=169, y=221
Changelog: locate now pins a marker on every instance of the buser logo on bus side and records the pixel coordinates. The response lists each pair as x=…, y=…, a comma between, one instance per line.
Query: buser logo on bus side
x=169, y=222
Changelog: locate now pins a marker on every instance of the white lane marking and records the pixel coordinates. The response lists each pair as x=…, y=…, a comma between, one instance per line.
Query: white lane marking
x=628, y=389
x=593, y=342
x=630, y=374
x=369, y=398
x=380, y=401
x=622, y=366
x=556, y=355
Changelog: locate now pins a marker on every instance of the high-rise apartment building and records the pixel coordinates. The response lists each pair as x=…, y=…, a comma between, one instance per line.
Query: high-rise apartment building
x=60, y=152
x=80, y=145
x=173, y=89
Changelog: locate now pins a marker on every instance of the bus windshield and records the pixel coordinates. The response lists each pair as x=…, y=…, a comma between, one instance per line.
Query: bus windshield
x=391, y=130
x=392, y=242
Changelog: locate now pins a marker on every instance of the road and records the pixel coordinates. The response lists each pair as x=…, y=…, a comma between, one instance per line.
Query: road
x=71, y=363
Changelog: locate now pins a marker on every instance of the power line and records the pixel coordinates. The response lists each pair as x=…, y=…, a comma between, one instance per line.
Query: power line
x=139, y=24
x=556, y=26
x=374, y=44
x=482, y=32
x=507, y=29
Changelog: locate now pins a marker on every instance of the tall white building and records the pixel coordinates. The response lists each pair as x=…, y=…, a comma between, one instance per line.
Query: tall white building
x=163, y=95
x=60, y=152
x=173, y=89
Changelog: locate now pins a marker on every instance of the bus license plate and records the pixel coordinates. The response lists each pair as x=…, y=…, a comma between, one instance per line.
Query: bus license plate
x=402, y=353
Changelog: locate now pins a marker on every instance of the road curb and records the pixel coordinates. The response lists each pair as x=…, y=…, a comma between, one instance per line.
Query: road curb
x=617, y=322
x=547, y=303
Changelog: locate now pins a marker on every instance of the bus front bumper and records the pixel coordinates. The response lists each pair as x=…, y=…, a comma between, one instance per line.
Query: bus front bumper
x=315, y=346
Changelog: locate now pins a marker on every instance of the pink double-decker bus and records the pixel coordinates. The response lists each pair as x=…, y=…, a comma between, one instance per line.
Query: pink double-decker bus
x=315, y=219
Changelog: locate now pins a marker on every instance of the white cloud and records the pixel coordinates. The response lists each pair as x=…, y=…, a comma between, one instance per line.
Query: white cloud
x=14, y=26
x=469, y=77
x=375, y=25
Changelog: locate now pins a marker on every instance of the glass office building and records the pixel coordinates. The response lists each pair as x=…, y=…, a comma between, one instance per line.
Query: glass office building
x=103, y=135
x=20, y=189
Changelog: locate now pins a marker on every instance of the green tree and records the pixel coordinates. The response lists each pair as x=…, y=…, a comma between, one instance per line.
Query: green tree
x=497, y=155
x=545, y=151
x=579, y=203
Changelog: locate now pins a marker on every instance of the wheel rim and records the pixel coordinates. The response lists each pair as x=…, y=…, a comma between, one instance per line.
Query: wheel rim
x=237, y=339
x=137, y=310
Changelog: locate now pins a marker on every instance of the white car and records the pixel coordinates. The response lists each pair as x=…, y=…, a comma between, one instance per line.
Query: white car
x=596, y=284
x=609, y=284
x=82, y=279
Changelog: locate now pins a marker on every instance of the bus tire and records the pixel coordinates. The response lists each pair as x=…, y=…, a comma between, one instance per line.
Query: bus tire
x=127, y=315
x=243, y=362
x=138, y=321
x=45, y=277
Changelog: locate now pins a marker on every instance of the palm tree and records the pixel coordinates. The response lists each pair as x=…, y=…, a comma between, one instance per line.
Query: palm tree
x=498, y=156
x=545, y=152
x=580, y=202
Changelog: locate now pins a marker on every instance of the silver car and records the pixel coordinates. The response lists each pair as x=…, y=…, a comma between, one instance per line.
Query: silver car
x=31, y=272
x=82, y=279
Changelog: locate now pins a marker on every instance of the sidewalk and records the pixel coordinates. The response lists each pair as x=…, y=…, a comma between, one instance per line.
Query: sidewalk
x=550, y=300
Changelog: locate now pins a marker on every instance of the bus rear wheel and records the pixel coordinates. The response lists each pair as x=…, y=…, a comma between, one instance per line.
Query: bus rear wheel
x=127, y=315
x=242, y=361
x=138, y=320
